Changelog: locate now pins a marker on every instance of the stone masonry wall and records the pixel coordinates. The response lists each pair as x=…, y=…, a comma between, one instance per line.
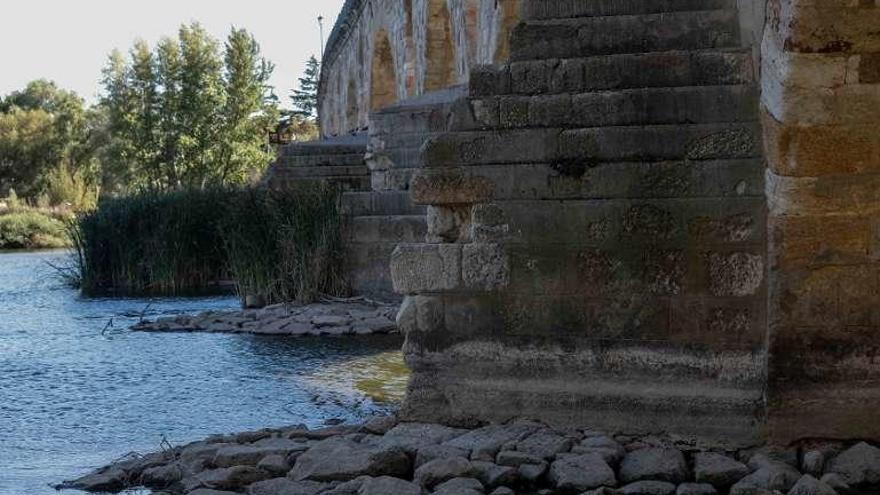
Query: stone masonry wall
x=596, y=229
x=433, y=45
x=821, y=117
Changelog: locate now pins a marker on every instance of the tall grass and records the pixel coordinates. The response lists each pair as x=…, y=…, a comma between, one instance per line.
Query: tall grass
x=275, y=245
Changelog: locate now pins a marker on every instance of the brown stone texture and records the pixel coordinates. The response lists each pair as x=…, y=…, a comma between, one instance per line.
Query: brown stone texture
x=822, y=138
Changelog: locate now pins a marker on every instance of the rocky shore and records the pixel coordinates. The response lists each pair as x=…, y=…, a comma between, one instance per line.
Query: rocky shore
x=387, y=457
x=356, y=317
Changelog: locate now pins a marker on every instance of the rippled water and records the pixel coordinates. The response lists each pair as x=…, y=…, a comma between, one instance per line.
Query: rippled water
x=76, y=392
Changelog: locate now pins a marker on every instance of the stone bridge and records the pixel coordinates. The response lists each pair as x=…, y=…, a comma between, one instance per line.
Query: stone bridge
x=637, y=215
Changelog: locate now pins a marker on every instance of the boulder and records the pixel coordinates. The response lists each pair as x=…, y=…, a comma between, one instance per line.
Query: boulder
x=437, y=471
x=492, y=475
x=531, y=473
x=111, y=479
x=162, y=476
x=835, y=481
x=379, y=425
x=276, y=465
x=605, y=446
x=208, y=491
x=459, y=486
x=485, y=443
x=858, y=465
x=251, y=455
x=813, y=462
x=231, y=478
x=431, y=452
x=284, y=486
x=718, y=470
x=758, y=458
x=515, y=458
x=808, y=485
x=648, y=488
x=774, y=476
x=342, y=459
x=695, y=489
x=386, y=485
x=544, y=444
x=662, y=464
x=580, y=473
x=502, y=490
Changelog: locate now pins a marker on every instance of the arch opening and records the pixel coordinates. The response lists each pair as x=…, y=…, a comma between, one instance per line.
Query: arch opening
x=440, y=48
x=383, y=84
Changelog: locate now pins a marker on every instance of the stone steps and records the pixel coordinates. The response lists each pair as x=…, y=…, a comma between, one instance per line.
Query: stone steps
x=344, y=183
x=586, y=36
x=683, y=105
x=560, y=9
x=388, y=229
x=735, y=178
x=319, y=171
x=610, y=72
x=351, y=159
x=380, y=203
x=589, y=146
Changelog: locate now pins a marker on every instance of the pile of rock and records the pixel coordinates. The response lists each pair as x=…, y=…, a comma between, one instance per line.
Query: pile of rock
x=384, y=457
x=336, y=318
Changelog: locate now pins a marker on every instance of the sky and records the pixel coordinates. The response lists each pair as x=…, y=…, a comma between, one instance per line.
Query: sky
x=68, y=41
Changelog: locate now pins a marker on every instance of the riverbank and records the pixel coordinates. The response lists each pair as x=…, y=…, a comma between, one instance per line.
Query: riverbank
x=31, y=228
x=387, y=457
x=336, y=317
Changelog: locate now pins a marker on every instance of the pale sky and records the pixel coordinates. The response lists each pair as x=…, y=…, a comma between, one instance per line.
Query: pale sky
x=68, y=41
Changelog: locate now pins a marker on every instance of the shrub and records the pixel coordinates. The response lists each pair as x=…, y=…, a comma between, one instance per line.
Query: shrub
x=31, y=230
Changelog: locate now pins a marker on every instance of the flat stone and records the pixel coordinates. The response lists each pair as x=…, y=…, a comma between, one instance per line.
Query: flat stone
x=430, y=452
x=247, y=455
x=162, y=476
x=775, y=476
x=386, y=485
x=437, y=471
x=231, y=478
x=695, y=489
x=485, y=443
x=858, y=465
x=274, y=464
x=718, y=470
x=544, y=444
x=341, y=459
x=608, y=448
x=515, y=458
x=380, y=425
x=284, y=486
x=459, y=486
x=648, y=488
x=492, y=475
x=502, y=490
x=531, y=473
x=580, y=473
x=661, y=464
x=808, y=485
x=835, y=481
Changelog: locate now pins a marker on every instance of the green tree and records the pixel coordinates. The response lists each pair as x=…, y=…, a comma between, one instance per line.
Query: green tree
x=42, y=128
x=305, y=99
x=250, y=110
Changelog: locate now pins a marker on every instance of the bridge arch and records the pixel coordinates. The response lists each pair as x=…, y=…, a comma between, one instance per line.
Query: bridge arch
x=383, y=80
x=440, y=47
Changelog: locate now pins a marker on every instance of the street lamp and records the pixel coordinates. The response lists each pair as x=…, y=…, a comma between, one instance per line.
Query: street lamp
x=321, y=30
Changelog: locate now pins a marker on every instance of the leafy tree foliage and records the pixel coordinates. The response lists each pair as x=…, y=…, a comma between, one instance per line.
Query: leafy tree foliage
x=44, y=129
x=305, y=99
x=188, y=115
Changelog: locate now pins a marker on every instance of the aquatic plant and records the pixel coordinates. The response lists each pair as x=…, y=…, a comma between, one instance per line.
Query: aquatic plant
x=272, y=246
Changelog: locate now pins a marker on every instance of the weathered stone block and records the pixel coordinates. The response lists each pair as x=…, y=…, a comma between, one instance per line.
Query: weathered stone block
x=426, y=268
x=451, y=189
x=485, y=267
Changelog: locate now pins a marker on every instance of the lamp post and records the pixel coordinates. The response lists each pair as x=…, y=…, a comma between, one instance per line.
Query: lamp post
x=321, y=30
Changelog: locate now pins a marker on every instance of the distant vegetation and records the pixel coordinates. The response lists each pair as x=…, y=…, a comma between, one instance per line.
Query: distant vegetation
x=276, y=246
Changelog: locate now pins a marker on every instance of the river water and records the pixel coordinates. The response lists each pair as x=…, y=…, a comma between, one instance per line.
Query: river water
x=77, y=391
